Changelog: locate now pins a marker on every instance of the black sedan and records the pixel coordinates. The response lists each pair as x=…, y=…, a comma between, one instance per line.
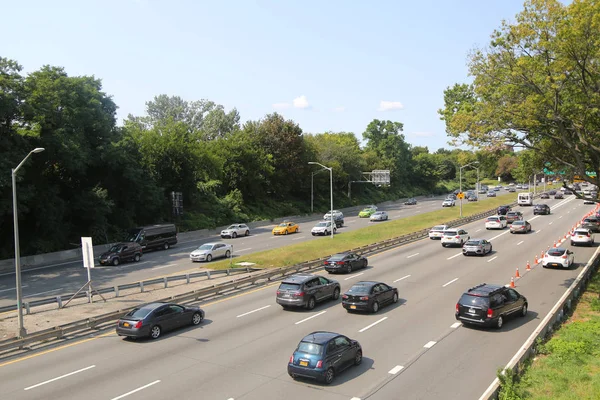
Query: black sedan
x=345, y=262
x=155, y=318
x=411, y=202
x=369, y=296
x=503, y=210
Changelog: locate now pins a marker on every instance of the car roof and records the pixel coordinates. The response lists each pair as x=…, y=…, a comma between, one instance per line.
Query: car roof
x=213, y=243
x=320, y=337
x=557, y=249
x=475, y=240
x=367, y=283
x=298, y=278
x=152, y=306
x=483, y=289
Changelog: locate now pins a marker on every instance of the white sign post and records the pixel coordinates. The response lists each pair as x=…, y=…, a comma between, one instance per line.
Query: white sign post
x=87, y=251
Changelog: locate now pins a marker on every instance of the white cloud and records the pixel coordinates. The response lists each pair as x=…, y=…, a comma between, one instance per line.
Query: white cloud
x=390, y=105
x=281, y=106
x=301, y=102
x=422, y=134
x=339, y=109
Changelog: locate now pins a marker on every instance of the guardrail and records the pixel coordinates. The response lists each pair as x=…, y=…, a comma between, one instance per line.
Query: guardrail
x=199, y=294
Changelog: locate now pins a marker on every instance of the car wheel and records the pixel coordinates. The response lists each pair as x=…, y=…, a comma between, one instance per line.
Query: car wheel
x=336, y=294
x=329, y=375
x=155, y=332
x=491, y=247
x=395, y=298
x=227, y=254
x=365, y=264
x=524, y=310
x=499, y=322
x=313, y=234
x=572, y=243
x=197, y=318
x=375, y=307
x=358, y=357
x=136, y=258
x=311, y=303
x=208, y=258
x=234, y=235
x=115, y=261
x=326, y=233
x=443, y=244
x=285, y=232
x=166, y=246
x=349, y=268
x=246, y=233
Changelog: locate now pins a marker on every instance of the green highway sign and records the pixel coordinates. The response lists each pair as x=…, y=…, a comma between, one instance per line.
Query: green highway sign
x=591, y=174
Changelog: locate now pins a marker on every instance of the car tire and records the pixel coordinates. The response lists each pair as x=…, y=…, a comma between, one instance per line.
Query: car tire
x=209, y=258
x=365, y=264
x=227, y=254
x=166, y=246
x=115, y=261
x=296, y=231
x=349, y=269
x=197, y=318
x=395, y=298
x=313, y=234
x=336, y=294
x=311, y=303
x=233, y=235
x=329, y=375
x=375, y=307
x=286, y=232
x=499, y=322
x=443, y=244
x=491, y=248
x=572, y=243
x=524, y=310
x=136, y=258
x=155, y=332
x=358, y=357
x=246, y=233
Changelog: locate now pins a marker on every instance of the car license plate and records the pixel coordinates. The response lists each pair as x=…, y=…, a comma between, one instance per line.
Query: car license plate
x=580, y=237
x=472, y=310
x=126, y=324
x=304, y=363
x=353, y=307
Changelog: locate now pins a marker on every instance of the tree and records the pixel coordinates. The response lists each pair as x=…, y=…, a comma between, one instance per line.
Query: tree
x=506, y=166
x=536, y=86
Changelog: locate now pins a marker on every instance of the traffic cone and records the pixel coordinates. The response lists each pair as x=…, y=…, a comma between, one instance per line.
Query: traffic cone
x=536, y=260
x=517, y=275
x=555, y=243
x=528, y=266
x=542, y=254
x=512, y=282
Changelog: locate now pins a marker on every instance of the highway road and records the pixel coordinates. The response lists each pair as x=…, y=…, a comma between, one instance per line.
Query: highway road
x=412, y=350
x=65, y=279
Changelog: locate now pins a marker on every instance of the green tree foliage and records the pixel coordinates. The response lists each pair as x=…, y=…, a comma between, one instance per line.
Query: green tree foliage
x=387, y=143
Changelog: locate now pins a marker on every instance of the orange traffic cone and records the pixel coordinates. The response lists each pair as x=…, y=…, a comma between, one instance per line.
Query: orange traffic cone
x=517, y=275
x=555, y=243
x=542, y=254
x=512, y=282
x=536, y=260
x=528, y=266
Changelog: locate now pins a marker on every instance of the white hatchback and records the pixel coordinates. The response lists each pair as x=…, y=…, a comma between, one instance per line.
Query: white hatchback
x=437, y=231
x=582, y=236
x=496, y=222
x=455, y=237
x=558, y=257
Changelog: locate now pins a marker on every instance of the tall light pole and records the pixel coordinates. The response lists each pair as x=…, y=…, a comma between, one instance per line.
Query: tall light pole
x=477, y=168
x=460, y=182
x=312, y=196
x=22, y=330
x=330, y=191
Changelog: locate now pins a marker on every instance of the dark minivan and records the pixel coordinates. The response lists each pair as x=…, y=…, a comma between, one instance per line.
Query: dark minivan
x=121, y=252
x=151, y=237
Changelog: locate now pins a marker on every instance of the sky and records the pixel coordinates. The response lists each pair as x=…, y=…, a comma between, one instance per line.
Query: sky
x=329, y=65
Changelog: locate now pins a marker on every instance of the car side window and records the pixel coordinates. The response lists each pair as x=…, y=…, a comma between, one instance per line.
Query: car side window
x=497, y=300
x=331, y=347
x=512, y=295
x=341, y=342
x=376, y=289
x=312, y=283
x=175, y=309
x=323, y=281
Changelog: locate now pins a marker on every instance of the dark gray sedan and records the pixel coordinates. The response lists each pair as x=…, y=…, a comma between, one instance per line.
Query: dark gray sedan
x=478, y=247
x=151, y=320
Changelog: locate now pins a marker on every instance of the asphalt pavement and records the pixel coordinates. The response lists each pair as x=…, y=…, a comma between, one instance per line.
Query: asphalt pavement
x=414, y=349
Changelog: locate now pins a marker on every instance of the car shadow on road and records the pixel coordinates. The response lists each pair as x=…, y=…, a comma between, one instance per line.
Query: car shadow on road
x=511, y=323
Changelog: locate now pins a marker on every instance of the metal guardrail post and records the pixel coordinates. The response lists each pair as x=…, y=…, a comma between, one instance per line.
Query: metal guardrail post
x=166, y=281
x=187, y=278
x=58, y=300
x=141, y=287
x=228, y=272
x=27, y=309
x=116, y=291
x=208, y=274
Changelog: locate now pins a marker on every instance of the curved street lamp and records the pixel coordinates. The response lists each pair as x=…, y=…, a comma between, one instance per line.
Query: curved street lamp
x=330, y=190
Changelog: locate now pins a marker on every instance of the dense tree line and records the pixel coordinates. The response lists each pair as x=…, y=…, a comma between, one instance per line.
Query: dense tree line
x=96, y=178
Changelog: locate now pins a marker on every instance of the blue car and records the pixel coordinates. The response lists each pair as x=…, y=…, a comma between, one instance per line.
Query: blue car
x=322, y=355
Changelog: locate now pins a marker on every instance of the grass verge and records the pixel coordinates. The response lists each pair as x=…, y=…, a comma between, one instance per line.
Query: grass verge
x=376, y=232
x=567, y=366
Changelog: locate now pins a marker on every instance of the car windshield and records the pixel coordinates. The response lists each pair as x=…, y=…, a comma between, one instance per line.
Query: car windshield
x=283, y=224
x=205, y=247
x=359, y=289
x=139, y=313
x=493, y=219
x=232, y=227
x=310, y=348
x=367, y=209
x=321, y=224
x=473, y=243
x=438, y=228
x=470, y=300
x=581, y=232
x=378, y=213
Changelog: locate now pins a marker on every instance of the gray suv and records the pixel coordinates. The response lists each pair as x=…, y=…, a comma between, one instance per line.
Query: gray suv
x=305, y=290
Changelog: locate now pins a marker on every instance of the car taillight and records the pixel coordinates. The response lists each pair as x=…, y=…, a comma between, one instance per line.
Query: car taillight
x=320, y=364
x=588, y=235
x=490, y=313
x=138, y=325
x=546, y=255
x=340, y=263
x=565, y=256
x=456, y=237
x=364, y=298
x=325, y=262
x=457, y=306
x=278, y=292
x=344, y=296
x=299, y=294
x=292, y=359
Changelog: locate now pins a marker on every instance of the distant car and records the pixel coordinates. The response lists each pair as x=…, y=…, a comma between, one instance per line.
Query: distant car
x=513, y=216
x=379, y=216
x=306, y=290
x=452, y=196
x=323, y=355
x=155, y=318
x=373, y=206
x=551, y=192
x=286, y=227
x=121, y=252
x=559, y=195
x=591, y=223
x=503, y=210
x=337, y=216
x=558, y=257
x=472, y=198
x=235, y=230
x=410, y=202
x=545, y=195
x=208, y=251
x=541, y=209
x=512, y=189
x=323, y=228
x=366, y=212
x=582, y=236
x=491, y=194
x=479, y=247
x=437, y=231
x=520, y=226
x=369, y=296
x=589, y=200
x=455, y=237
x=496, y=222
x=345, y=262
x=448, y=203
x=482, y=191
x=489, y=305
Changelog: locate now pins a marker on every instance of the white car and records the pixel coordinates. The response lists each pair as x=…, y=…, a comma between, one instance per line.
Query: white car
x=558, y=257
x=235, y=230
x=455, y=237
x=337, y=214
x=373, y=206
x=322, y=228
x=379, y=216
x=448, y=203
x=496, y=222
x=582, y=236
x=208, y=251
x=437, y=231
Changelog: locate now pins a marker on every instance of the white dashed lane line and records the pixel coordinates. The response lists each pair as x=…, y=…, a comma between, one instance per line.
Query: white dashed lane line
x=372, y=325
x=429, y=345
x=412, y=255
x=60, y=377
x=492, y=259
x=456, y=255
x=311, y=317
x=396, y=369
x=448, y=283
x=298, y=238
x=354, y=276
x=455, y=325
x=253, y=311
x=478, y=230
x=404, y=277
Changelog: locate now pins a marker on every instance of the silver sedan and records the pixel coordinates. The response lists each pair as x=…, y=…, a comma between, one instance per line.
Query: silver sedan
x=479, y=247
x=379, y=216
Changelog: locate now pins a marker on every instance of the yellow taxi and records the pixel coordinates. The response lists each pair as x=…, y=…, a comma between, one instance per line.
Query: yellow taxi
x=286, y=227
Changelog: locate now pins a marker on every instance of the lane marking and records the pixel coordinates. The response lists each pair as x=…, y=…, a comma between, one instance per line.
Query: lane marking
x=497, y=236
x=536, y=217
x=452, y=281
x=538, y=231
x=373, y=324
x=136, y=390
x=560, y=217
x=429, y=345
x=492, y=259
x=551, y=222
x=396, y=369
x=48, y=291
x=253, y=311
x=353, y=276
x=478, y=230
x=522, y=241
x=455, y=325
x=240, y=250
x=355, y=398
x=164, y=266
x=60, y=377
x=14, y=288
x=301, y=237
x=311, y=317
x=404, y=277
x=412, y=255
x=456, y=255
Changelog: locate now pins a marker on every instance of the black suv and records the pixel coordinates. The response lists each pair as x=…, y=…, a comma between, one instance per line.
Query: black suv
x=305, y=290
x=541, y=209
x=503, y=210
x=121, y=252
x=488, y=305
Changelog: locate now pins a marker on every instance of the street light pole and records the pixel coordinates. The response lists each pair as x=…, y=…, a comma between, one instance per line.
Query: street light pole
x=330, y=191
x=22, y=330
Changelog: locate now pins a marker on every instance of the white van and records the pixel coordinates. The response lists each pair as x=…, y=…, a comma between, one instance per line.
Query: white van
x=525, y=199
